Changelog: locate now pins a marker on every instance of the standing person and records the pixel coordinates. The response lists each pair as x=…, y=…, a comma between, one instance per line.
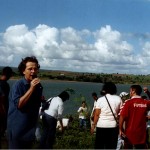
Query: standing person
x=24, y=103
x=134, y=114
x=82, y=115
x=94, y=96
x=124, y=97
x=50, y=117
x=104, y=121
x=145, y=89
x=4, y=92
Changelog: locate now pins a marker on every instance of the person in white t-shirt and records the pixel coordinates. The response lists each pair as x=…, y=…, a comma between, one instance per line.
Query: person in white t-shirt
x=82, y=115
x=104, y=121
x=50, y=117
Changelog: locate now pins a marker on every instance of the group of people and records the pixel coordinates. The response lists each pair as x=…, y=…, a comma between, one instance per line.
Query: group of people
x=122, y=117
x=21, y=115
x=111, y=116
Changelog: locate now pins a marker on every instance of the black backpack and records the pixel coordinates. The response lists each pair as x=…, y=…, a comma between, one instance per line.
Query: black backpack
x=45, y=104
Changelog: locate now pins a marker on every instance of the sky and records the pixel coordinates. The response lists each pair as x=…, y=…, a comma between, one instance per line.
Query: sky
x=95, y=36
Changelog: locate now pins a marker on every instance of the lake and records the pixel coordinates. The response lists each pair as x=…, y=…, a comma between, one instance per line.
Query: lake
x=83, y=90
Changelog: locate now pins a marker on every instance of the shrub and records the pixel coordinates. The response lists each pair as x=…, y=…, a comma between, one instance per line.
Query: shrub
x=74, y=137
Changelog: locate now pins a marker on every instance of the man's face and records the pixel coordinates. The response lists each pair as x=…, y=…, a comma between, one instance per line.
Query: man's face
x=30, y=71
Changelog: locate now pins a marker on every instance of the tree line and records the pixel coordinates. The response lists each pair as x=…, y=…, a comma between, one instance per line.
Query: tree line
x=89, y=77
x=98, y=78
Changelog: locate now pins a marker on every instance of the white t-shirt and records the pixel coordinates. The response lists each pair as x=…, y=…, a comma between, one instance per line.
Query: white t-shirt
x=56, y=108
x=106, y=118
x=82, y=112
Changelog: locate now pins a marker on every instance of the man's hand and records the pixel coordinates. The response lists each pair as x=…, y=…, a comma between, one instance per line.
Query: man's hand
x=34, y=82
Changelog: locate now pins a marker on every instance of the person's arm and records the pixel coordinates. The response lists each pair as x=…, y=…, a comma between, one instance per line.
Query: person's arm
x=121, y=129
x=24, y=99
x=96, y=117
x=92, y=114
x=80, y=110
x=61, y=124
x=60, y=112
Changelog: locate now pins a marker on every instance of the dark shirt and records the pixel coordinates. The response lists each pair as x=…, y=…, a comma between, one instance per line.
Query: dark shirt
x=22, y=122
x=4, y=91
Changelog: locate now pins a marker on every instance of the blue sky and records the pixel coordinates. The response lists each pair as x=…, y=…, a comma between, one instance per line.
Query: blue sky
x=99, y=36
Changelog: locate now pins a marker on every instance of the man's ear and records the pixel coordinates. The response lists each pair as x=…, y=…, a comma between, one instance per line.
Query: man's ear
x=133, y=91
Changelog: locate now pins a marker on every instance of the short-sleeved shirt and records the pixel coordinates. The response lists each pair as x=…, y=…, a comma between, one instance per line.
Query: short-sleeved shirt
x=134, y=113
x=82, y=112
x=22, y=122
x=106, y=118
x=56, y=108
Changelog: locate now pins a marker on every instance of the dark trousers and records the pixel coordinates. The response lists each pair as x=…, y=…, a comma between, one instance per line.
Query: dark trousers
x=49, y=131
x=18, y=144
x=106, y=138
x=82, y=123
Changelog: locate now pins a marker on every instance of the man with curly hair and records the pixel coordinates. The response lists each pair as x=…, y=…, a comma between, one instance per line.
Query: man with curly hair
x=24, y=103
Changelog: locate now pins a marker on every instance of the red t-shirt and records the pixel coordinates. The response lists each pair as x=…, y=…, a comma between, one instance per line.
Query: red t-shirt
x=135, y=112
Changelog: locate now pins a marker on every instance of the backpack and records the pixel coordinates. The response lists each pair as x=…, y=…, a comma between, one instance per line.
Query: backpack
x=45, y=104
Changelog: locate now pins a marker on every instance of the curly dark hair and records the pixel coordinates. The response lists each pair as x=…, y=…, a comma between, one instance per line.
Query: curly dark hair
x=109, y=88
x=22, y=65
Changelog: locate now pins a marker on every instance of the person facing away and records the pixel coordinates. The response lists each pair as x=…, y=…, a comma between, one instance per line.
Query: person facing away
x=83, y=111
x=124, y=97
x=24, y=103
x=94, y=96
x=145, y=90
x=49, y=119
x=134, y=114
x=4, y=92
x=104, y=121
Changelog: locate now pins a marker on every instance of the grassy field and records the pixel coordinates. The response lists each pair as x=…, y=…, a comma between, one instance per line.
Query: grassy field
x=71, y=138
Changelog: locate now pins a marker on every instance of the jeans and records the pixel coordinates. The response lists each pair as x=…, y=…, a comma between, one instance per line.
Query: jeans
x=82, y=123
x=49, y=131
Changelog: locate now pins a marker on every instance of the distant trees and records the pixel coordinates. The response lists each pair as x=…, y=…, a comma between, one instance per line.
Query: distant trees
x=99, y=78
x=90, y=77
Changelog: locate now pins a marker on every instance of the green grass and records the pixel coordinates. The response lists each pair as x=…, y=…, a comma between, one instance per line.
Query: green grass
x=72, y=138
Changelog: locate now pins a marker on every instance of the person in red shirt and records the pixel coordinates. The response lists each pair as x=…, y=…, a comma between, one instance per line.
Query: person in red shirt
x=134, y=114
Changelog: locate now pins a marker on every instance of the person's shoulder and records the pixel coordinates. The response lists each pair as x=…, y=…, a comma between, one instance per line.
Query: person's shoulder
x=116, y=96
x=19, y=82
x=58, y=99
x=102, y=97
x=128, y=102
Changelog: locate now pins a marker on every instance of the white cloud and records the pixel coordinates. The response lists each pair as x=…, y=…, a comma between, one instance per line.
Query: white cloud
x=105, y=50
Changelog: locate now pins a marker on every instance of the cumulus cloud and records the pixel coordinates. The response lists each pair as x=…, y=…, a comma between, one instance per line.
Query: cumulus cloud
x=103, y=51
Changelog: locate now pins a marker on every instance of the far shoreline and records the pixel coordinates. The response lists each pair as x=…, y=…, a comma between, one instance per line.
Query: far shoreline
x=68, y=81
